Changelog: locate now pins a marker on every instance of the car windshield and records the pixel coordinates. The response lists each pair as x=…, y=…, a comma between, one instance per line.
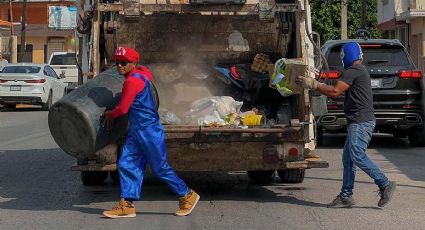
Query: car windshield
x=21, y=69
x=374, y=56
x=64, y=59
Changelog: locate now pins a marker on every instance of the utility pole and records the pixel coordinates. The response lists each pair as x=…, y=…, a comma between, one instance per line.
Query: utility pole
x=23, y=25
x=11, y=17
x=344, y=19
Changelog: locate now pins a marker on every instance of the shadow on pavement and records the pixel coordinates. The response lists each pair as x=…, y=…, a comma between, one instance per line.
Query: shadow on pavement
x=409, y=160
x=42, y=180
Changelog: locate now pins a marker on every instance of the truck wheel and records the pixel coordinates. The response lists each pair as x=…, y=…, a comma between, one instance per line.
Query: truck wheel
x=93, y=178
x=261, y=177
x=46, y=106
x=115, y=177
x=417, y=137
x=319, y=136
x=291, y=176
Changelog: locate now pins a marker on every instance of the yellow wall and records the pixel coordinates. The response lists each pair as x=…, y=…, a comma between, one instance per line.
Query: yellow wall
x=38, y=44
x=38, y=48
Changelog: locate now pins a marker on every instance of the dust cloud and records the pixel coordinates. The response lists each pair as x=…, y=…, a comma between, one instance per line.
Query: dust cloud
x=180, y=84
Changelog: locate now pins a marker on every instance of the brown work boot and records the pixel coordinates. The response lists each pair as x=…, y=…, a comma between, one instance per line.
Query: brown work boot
x=122, y=210
x=187, y=203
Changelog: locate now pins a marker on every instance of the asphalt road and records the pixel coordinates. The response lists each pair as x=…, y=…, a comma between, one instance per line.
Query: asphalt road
x=38, y=190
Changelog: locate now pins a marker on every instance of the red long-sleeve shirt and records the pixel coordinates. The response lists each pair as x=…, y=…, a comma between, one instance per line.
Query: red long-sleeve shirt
x=132, y=86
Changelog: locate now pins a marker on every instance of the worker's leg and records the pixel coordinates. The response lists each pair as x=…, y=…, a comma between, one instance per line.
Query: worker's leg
x=153, y=146
x=349, y=171
x=360, y=136
x=131, y=167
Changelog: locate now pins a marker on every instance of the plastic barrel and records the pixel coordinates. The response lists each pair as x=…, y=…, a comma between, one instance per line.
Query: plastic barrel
x=75, y=120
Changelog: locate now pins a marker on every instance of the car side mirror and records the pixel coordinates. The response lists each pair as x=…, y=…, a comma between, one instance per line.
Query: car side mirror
x=62, y=75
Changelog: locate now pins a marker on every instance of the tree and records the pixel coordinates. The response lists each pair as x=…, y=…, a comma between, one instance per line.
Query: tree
x=326, y=18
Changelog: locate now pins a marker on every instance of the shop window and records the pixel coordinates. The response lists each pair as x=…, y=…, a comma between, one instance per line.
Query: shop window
x=27, y=54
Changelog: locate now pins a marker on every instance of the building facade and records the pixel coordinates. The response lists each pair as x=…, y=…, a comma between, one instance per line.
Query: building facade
x=44, y=32
x=405, y=20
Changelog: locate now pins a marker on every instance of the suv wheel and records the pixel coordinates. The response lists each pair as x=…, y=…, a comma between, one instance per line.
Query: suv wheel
x=417, y=137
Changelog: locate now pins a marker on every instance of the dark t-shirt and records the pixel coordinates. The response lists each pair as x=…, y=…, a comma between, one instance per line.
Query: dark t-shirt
x=358, y=103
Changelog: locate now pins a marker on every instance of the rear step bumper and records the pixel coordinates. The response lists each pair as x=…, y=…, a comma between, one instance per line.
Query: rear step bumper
x=19, y=99
x=305, y=164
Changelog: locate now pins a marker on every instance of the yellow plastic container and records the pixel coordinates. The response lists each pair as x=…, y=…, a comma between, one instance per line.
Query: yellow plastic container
x=252, y=119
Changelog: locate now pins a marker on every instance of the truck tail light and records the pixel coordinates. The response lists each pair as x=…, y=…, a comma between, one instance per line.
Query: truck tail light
x=293, y=152
x=36, y=81
x=330, y=74
x=415, y=74
x=3, y=81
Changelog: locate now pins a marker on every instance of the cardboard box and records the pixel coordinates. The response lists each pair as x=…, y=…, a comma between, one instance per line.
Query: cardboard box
x=292, y=68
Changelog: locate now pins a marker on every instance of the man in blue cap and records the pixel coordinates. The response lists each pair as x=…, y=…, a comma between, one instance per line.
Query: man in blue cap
x=355, y=82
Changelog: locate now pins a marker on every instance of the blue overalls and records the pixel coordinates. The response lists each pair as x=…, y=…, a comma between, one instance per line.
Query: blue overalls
x=145, y=143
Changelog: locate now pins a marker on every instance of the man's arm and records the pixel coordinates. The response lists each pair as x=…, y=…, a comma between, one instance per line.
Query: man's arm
x=333, y=91
x=132, y=86
x=328, y=90
x=130, y=90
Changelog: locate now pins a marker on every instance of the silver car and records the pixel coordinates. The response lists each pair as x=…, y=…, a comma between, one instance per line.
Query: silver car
x=28, y=83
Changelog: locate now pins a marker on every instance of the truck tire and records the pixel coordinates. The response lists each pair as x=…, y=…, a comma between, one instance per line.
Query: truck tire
x=417, y=137
x=261, y=177
x=93, y=178
x=293, y=176
x=115, y=177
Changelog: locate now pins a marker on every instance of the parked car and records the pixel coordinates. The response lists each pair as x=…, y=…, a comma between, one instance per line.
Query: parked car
x=397, y=90
x=28, y=83
x=65, y=64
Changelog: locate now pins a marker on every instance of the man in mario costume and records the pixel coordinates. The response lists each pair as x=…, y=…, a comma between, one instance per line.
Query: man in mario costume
x=145, y=142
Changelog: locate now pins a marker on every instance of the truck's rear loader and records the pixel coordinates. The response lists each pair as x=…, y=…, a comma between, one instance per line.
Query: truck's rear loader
x=182, y=43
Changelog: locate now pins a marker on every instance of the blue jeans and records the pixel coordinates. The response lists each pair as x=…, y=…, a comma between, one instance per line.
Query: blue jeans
x=358, y=138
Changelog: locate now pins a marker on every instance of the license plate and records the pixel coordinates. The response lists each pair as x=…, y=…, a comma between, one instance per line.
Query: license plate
x=15, y=88
x=376, y=83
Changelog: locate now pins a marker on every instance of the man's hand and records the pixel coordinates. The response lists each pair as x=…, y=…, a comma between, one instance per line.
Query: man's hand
x=307, y=82
x=107, y=120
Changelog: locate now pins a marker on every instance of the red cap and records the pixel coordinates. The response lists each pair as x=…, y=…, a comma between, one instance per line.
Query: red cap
x=126, y=54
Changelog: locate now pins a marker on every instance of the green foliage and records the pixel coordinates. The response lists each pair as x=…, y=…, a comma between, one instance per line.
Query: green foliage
x=326, y=18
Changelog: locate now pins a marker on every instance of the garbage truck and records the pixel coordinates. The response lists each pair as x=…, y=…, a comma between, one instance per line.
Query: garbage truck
x=195, y=49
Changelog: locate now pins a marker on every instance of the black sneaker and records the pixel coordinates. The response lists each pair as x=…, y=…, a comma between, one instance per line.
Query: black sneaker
x=342, y=202
x=386, y=193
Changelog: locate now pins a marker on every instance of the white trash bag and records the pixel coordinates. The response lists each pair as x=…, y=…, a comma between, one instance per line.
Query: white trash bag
x=212, y=110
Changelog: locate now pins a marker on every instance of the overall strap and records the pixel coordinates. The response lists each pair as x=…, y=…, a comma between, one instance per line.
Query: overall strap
x=138, y=75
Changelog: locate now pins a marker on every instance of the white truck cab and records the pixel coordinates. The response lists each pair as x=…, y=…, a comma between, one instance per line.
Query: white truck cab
x=65, y=63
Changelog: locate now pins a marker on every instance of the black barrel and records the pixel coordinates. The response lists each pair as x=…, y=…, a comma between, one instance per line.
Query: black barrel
x=75, y=120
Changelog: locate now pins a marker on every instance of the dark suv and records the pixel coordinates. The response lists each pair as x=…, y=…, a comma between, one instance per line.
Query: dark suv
x=397, y=90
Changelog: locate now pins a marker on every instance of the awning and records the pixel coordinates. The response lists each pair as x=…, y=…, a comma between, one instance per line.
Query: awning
x=5, y=23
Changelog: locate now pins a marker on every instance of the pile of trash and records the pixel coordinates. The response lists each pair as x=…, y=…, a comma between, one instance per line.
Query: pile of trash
x=214, y=112
x=253, y=93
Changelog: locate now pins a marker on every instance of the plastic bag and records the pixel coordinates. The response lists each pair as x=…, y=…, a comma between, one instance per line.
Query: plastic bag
x=169, y=118
x=219, y=107
x=284, y=74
